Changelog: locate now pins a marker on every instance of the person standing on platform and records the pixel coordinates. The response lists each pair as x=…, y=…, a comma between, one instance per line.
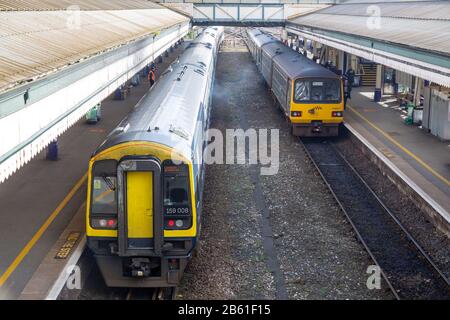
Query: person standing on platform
x=151, y=77
x=350, y=75
x=347, y=90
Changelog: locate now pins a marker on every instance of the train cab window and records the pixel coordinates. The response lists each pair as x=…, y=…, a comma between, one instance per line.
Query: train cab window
x=176, y=198
x=302, y=90
x=175, y=191
x=104, y=186
x=313, y=91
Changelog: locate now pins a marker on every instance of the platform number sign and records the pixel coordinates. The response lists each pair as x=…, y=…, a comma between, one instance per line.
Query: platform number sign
x=68, y=245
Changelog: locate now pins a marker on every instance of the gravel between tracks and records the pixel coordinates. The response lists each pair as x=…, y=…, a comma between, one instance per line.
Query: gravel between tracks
x=315, y=251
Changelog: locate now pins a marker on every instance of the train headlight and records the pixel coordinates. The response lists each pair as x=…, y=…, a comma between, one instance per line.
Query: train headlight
x=337, y=114
x=296, y=114
x=104, y=223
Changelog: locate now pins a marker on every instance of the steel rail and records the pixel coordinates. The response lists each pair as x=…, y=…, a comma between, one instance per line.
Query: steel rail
x=411, y=239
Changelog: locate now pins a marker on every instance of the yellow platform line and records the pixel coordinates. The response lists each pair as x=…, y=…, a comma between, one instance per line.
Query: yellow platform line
x=405, y=150
x=13, y=266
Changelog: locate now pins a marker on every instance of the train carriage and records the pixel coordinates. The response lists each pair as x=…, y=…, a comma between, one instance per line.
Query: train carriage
x=255, y=42
x=250, y=40
x=260, y=41
x=268, y=52
x=145, y=181
x=310, y=95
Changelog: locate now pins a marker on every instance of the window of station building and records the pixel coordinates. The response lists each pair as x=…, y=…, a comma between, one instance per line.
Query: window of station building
x=104, y=186
x=317, y=90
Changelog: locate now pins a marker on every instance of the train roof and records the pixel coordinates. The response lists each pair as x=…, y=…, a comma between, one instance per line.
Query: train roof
x=169, y=111
x=264, y=38
x=294, y=64
x=254, y=32
x=260, y=38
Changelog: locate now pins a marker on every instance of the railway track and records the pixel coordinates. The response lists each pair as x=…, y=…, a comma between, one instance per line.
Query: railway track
x=151, y=294
x=94, y=287
x=407, y=269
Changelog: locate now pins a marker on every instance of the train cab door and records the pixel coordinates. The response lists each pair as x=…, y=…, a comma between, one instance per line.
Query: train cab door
x=140, y=223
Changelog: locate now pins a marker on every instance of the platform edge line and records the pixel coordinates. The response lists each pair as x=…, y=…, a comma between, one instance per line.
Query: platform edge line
x=37, y=236
x=401, y=147
x=58, y=285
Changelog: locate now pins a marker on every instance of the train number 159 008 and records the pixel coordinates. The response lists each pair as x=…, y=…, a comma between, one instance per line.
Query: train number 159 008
x=177, y=210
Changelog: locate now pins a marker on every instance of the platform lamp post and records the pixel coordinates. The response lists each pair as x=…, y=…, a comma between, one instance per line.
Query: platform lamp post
x=154, y=35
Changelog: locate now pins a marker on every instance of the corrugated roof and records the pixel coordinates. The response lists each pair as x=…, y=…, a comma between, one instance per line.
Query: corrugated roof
x=35, y=5
x=36, y=43
x=424, y=25
x=411, y=9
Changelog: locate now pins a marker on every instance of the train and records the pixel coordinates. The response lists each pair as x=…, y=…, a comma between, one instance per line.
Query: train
x=145, y=181
x=310, y=96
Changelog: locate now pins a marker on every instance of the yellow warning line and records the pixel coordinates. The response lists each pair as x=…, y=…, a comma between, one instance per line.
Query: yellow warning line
x=405, y=150
x=5, y=276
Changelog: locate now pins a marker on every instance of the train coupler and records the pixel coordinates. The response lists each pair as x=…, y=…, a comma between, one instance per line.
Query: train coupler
x=140, y=267
x=317, y=129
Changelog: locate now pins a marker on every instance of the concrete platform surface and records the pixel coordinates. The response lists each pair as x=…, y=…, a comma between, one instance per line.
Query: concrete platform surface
x=420, y=156
x=52, y=274
x=39, y=201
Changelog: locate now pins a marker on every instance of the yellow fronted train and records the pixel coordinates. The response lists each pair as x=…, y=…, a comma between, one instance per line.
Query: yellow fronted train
x=310, y=95
x=145, y=180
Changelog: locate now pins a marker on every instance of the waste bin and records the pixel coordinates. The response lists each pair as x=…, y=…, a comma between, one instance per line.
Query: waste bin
x=121, y=93
x=417, y=115
x=94, y=115
x=52, y=151
x=409, y=118
x=135, y=81
x=357, y=80
x=118, y=94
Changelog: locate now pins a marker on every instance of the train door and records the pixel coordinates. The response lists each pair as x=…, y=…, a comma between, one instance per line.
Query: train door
x=140, y=213
x=139, y=208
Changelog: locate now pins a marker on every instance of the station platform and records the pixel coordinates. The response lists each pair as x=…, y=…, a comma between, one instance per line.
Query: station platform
x=40, y=200
x=418, y=155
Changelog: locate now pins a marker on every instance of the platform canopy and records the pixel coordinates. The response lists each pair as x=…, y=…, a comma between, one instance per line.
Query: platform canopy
x=41, y=37
x=415, y=32
x=60, y=58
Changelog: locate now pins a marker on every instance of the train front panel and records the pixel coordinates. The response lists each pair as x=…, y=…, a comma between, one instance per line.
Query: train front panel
x=141, y=214
x=316, y=107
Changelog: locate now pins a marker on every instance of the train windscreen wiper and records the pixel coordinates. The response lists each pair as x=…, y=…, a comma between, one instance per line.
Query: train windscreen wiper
x=109, y=182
